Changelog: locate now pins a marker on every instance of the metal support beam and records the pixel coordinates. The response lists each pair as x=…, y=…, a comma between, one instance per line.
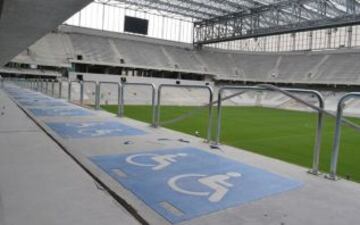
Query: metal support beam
x=277, y=18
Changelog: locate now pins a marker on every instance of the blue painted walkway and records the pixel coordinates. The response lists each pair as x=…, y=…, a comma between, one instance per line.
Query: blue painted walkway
x=179, y=184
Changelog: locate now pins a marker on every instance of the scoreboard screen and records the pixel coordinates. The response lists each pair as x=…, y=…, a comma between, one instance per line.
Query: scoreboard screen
x=136, y=25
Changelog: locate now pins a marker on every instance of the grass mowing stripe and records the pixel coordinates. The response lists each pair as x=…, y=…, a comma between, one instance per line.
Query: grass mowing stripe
x=282, y=134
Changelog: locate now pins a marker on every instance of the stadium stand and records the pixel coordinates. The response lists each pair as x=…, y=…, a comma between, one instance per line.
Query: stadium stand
x=71, y=44
x=86, y=46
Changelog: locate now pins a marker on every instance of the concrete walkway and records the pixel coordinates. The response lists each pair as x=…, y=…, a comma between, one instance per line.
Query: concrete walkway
x=166, y=177
x=41, y=185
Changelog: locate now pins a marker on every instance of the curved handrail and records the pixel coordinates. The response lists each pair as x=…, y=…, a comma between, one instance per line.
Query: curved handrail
x=153, y=98
x=69, y=88
x=336, y=144
x=211, y=95
x=82, y=89
x=317, y=146
x=119, y=85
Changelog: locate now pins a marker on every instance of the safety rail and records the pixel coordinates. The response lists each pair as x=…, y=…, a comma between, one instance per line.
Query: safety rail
x=153, y=99
x=82, y=89
x=98, y=88
x=211, y=95
x=46, y=86
x=2, y=82
x=41, y=84
x=317, y=146
x=60, y=82
x=52, y=88
x=337, y=134
x=70, y=82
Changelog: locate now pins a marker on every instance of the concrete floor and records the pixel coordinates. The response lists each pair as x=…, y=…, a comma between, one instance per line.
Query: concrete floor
x=317, y=201
x=41, y=185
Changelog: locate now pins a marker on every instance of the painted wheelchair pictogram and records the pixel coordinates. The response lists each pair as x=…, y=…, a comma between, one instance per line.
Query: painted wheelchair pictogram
x=99, y=132
x=159, y=161
x=218, y=183
x=65, y=112
x=92, y=129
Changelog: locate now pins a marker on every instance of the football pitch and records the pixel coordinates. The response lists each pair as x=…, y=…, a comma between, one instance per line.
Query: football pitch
x=281, y=134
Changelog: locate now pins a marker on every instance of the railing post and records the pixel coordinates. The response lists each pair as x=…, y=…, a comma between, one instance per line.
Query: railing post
x=52, y=88
x=337, y=134
x=157, y=118
x=211, y=97
x=2, y=82
x=69, y=91
x=336, y=144
x=120, y=100
x=81, y=92
x=60, y=88
x=219, y=112
x=318, y=136
x=37, y=84
x=153, y=102
x=97, y=96
x=46, y=86
x=41, y=85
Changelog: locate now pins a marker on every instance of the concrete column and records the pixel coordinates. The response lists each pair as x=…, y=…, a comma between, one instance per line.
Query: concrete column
x=349, y=40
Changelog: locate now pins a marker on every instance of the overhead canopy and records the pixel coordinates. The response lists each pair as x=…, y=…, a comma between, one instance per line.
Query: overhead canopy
x=210, y=9
x=223, y=20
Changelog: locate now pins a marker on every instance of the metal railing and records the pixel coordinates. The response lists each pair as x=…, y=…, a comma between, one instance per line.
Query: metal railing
x=211, y=95
x=98, y=88
x=337, y=135
x=46, y=86
x=70, y=87
x=317, y=146
x=52, y=88
x=1, y=82
x=153, y=99
x=82, y=90
x=60, y=88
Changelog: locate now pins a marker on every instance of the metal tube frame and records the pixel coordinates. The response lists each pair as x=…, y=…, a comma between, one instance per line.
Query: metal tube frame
x=69, y=88
x=82, y=90
x=153, y=99
x=211, y=96
x=2, y=82
x=320, y=120
x=41, y=85
x=46, y=86
x=337, y=134
x=52, y=88
x=120, y=96
x=60, y=88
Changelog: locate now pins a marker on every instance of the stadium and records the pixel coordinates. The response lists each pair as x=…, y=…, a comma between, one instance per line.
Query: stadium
x=179, y=112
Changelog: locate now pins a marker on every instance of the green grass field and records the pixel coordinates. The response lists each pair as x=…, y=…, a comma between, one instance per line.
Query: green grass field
x=281, y=134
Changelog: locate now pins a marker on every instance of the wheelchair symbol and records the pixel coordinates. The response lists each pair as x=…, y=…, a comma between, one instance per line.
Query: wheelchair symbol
x=63, y=112
x=159, y=161
x=218, y=183
x=90, y=129
x=85, y=125
x=99, y=132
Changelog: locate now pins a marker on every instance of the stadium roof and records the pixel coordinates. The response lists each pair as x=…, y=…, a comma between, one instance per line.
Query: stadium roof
x=210, y=9
x=226, y=20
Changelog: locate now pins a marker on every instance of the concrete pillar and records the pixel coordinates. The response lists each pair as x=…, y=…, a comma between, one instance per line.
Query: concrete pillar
x=349, y=40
